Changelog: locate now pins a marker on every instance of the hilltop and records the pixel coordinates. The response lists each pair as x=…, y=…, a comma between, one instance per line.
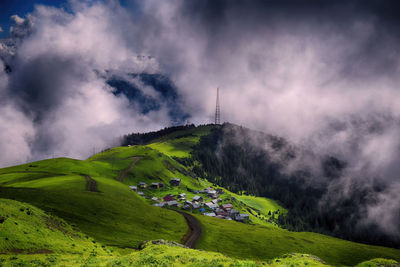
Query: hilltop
x=103, y=203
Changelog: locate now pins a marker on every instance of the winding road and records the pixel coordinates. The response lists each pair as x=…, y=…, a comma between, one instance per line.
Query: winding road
x=194, y=230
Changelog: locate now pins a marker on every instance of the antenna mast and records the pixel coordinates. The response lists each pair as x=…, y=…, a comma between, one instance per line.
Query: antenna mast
x=217, y=111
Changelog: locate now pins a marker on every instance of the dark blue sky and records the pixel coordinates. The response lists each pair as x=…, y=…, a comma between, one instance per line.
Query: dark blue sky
x=21, y=8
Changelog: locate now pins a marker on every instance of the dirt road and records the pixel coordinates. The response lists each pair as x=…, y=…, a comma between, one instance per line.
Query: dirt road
x=125, y=172
x=194, y=230
x=91, y=184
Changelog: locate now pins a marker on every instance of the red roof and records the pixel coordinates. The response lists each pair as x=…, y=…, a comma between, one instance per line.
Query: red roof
x=227, y=206
x=168, y=198
x=222, y=213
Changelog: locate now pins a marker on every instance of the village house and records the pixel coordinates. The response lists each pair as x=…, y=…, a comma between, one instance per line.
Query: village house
x=245, y=216
x=242, y=217
x=154, y=198
x=211, y=205
x=203, y=191
x=196, y=206
x=221, y=212
x=187, y=202
x=186, y=207
x=210, y=214
x=211, y=192
x=175, y=182
x=182, y=196
x=168, y=198
x=227, y=207
x=172, y=203
x=142, y=185
x=133, y=187
x=233, y=213
x=159, y=204
x=155, y=185
x=215, y=201
x=197, y=198
x=238, y=218
x=141, y=194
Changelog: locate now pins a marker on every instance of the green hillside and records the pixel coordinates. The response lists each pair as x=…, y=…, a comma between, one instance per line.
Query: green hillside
x=260, y=242
x=157, y=255
x=27, y=229
x=93, y=196
x=114, y=216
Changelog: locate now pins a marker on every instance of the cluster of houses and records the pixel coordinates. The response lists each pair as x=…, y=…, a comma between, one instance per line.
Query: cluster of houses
x=143, y=185
x=213, y=208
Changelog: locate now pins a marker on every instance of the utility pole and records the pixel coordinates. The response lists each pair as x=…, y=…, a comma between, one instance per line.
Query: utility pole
x=217, y=110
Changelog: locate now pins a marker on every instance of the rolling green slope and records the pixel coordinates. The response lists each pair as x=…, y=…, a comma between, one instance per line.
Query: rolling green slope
x=262, y=204
x=114, y=216
x=93, y=196
x=261, y=242
x=27, y=229
x=179, y=144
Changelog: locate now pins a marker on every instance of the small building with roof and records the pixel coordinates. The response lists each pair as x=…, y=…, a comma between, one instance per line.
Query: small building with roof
x=197, y=198
x=168, y=198
x=142, y=185
x=155, y=185
x=175, y=182
x=133, y=187
x=227, y=207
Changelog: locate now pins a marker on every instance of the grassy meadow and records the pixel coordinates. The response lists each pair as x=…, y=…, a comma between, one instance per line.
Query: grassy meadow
x=71, y=225
x=266, y=242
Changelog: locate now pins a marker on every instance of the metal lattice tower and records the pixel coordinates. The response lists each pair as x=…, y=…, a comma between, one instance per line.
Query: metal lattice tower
x=217, y=111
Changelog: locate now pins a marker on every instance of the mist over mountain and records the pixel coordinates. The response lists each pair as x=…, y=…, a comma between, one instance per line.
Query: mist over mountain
x=323, y=192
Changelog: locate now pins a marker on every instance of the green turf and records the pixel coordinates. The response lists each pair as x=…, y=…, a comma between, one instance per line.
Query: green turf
x=155, y=255
x=179, y=144
x=379, y=262
x=27, y=229
x=262, y=204
x=166, y=255
x=267, y=242
x=115, y=216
